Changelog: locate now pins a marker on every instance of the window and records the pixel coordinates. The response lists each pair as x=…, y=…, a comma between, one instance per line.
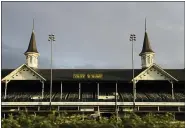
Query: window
x=142, y=60
x=148, y=59
x=35, y=60
x=30, y=59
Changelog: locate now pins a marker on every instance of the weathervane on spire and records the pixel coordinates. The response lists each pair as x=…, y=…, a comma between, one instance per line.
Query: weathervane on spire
x=33, y=25
x=145, y=24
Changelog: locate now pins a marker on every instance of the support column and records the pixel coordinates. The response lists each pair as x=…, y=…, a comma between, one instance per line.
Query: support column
x=172, y=89
x=42, y=89
x=79, y=94
x=135, y=91
x=35, y=114
x=179, y=109
x=38, y=108
x=98, y=90
x=83, y=116
x=5, y=93
x=98, y=93
x=26, y=110
x=98, y=111
x=61, y=91
x=116, y=101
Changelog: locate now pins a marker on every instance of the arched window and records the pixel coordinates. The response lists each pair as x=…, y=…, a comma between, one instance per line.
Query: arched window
x=148, y=59
x=31, y=59
x=35, y=60
x=142, y=60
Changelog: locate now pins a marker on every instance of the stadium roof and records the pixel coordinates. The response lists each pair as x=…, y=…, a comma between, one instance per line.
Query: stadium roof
x=108, y=74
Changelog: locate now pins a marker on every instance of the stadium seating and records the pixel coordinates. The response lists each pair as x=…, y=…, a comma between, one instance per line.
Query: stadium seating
x=127, y=97
x=87, y=97
x=180, y=97
x=90, y=97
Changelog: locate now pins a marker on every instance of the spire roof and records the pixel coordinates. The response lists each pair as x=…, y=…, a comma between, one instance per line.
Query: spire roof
x=146, y=43
x=32, y=44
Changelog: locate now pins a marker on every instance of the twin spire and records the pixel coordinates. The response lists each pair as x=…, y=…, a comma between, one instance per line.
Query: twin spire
x=32, y=53
x=32, y=48
x=146, y=44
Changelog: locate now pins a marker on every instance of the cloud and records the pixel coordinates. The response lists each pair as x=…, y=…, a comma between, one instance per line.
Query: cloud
x=93, y=34
x=13, y=58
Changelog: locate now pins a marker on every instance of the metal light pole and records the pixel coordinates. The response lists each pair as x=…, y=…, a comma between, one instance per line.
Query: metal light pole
x=132, y=39
x=51, y=39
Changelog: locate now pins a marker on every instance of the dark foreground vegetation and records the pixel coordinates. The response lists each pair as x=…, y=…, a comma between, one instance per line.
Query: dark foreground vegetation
x=54, y=120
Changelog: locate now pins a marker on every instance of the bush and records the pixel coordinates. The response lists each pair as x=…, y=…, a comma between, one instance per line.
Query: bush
x=53, y=120
x=10, y=123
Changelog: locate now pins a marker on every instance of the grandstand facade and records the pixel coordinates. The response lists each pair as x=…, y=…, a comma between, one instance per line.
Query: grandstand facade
x=93, y=90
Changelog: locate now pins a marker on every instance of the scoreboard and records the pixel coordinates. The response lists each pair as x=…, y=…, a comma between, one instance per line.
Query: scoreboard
x=87, y=76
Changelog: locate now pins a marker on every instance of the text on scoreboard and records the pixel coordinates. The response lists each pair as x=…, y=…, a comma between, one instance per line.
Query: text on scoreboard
x=88, y=76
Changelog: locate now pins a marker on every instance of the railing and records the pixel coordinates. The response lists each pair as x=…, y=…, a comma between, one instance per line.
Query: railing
x=150, y=104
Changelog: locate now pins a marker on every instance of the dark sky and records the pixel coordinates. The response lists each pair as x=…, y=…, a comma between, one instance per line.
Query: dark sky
x=93, y=34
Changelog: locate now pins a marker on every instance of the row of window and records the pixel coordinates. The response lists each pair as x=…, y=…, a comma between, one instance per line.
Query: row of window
x=32, y=59
x=149, y=59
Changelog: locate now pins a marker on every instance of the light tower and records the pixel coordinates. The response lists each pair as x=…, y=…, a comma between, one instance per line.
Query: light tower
x=51, y=39
x=132, y=39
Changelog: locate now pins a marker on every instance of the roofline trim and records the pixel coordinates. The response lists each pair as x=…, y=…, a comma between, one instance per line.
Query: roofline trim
x=35, y=72
x=14, y=71
x=17, y=69
x=159, y=69
x=165, y=72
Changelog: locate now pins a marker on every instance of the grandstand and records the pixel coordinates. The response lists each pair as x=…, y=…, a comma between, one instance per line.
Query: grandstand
x=93, y=90
x=17, y=92
x=100, y=95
